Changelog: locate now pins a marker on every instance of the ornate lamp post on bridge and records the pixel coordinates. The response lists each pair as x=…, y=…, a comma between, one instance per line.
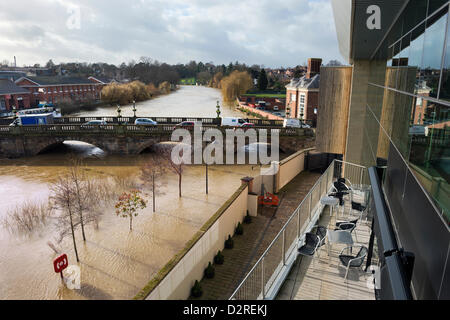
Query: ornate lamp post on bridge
x=218, y=109
x=14, y=112
x=134, y=108
x=119, y=111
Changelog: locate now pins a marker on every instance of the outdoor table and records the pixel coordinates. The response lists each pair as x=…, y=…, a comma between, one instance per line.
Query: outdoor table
x=339, y=236
x=330, y=201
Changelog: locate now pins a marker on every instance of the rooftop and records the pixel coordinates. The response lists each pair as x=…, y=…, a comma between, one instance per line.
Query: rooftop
x=9, y=87
x=304, y=83
x=43, y=80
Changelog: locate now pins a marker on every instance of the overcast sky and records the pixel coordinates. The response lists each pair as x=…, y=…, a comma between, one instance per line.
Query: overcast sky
x=265, y=32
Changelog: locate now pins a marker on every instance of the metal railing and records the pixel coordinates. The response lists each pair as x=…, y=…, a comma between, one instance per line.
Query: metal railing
x=54, y=129
x=159, y=120
x=265, y=274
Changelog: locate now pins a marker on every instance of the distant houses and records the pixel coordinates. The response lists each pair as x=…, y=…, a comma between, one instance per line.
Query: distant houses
x=13, y=95
x=60, y=88
x=21, y=91
x=302, y=94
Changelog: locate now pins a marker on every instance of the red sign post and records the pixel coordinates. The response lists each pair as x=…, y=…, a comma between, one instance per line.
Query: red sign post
x=60, y=263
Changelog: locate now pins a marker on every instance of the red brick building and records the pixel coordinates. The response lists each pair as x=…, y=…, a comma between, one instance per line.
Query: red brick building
x=60, y=89
x=13, y=95
x=302, y=94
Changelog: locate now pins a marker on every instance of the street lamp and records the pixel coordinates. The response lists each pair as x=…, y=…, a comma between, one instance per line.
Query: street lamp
x=14, y=111
x=118, y=111
x=218, y=109
x=134, y=108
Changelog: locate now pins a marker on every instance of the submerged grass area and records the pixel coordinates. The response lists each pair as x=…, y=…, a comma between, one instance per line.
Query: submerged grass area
x=188, y=80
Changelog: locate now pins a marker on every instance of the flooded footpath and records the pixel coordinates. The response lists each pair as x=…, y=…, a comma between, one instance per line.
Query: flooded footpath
x=115, y=263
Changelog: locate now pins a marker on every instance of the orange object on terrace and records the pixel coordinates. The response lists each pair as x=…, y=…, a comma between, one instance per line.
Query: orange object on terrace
x=268, y=199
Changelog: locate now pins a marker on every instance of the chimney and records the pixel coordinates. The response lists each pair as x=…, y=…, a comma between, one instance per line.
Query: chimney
x=313, y=67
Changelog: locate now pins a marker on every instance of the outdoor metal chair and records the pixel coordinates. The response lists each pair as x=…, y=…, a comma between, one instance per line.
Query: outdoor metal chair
x=340, y=185
x=347, y=226
x=312, y=243
x=350, y=261
x=359, y=208
x=321, y=232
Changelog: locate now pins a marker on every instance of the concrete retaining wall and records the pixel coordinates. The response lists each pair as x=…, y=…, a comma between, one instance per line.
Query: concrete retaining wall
x=290, y=167
x=176, y=279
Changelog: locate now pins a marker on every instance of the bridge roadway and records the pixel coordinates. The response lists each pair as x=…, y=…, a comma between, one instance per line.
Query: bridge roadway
x=159, y=120
x=116, y=138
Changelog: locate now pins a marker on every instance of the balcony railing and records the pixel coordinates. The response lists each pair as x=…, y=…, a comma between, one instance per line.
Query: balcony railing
x=269, y=272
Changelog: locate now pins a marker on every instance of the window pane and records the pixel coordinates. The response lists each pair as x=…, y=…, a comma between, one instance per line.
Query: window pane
x=444, y=92
x=415, y=56
x=430, y=151
x=432, y=54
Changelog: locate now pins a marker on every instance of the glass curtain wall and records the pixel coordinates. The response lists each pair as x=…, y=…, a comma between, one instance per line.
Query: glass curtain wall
x=410, y=109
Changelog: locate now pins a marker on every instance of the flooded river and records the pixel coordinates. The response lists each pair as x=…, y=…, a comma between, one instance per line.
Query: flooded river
x=187, y=101
x=115, y=262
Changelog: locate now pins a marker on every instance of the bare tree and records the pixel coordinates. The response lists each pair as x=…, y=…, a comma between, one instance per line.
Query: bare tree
x=82, y=198
x=177, y=168
x=151, y=171
x=63, y=198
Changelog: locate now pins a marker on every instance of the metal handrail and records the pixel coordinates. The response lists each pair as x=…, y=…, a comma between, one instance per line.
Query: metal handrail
x=296, y=213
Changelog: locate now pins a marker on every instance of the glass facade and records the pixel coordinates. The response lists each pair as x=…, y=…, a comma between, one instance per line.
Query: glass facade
x=410, y=109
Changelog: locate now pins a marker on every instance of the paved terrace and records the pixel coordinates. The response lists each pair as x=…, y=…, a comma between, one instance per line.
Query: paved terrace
x=324, y=280
x=256, y=238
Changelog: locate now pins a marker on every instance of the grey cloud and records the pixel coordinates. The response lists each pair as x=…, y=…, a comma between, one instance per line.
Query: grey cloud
x=273, y=33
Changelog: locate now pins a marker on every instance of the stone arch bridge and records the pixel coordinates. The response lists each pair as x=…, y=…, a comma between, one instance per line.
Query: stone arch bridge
x=126, y=139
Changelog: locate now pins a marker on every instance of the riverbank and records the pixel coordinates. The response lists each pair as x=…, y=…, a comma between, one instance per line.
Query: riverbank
x=74, y=109
x=255, y=112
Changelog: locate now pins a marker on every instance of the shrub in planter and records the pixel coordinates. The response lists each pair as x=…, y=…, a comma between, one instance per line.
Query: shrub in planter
x=239, y=229
x=248, y=218
x=229, y=243
x=219, y=258
x=196, y=290
x=209, y=271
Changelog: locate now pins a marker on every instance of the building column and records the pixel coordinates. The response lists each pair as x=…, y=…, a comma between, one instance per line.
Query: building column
x=359, y=141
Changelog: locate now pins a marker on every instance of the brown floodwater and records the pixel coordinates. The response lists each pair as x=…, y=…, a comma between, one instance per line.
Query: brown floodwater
x=187, y=101
x=115, y=262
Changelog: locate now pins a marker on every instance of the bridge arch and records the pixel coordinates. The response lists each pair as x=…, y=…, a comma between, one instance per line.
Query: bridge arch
x=49, y=144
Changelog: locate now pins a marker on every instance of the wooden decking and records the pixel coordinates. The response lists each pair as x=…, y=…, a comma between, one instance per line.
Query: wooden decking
x=324, y=279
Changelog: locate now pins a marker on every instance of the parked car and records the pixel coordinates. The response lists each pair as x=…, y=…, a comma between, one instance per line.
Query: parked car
x=279, y=114
x=89, y=124
x=145, y=122
x=232, y=121
x=418, y=130
x=294, y=123
x=185, y=125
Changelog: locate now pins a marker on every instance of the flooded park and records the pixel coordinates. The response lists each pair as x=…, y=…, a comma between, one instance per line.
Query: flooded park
x=115, y=262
